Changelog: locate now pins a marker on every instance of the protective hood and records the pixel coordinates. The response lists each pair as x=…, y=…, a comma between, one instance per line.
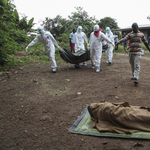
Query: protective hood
x=97, y=30
x=40, y=30
x=108, y=31
x=79, y=29
x=96, y=27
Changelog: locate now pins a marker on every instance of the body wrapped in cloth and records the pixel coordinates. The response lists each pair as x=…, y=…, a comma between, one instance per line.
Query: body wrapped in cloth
x=119, y=117
x=78, y=57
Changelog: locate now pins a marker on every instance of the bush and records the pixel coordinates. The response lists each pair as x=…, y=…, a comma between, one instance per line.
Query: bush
x=37, y=50
x=20, y=36
x=8, y=47
x=120, y=48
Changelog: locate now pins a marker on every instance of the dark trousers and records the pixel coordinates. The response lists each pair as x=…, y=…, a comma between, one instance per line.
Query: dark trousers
x=116, y=47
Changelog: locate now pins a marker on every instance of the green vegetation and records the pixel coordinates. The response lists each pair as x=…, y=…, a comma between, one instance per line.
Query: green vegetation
x=13, y=33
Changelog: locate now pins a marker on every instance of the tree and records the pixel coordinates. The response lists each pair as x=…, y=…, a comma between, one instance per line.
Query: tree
x=60, y=26
x=23, y=24
x=81, y=17
x=108, y=22
x=57, y=26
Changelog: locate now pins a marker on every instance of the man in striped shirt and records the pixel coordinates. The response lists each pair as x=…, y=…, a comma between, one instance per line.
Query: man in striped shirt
x=136, y=38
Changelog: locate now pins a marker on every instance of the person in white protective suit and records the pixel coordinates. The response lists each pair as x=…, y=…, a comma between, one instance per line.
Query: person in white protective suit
x=96, y=38
x=109, y=51
x=79, y=42
x=46, y=38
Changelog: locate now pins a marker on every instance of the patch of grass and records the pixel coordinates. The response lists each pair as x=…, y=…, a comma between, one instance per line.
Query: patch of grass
x=31, y=99
x=104, y=54
x=144, y=47
x=63, y=88
x=44, y=71
x=66, y=75
x=120, y=48
x=43, y=58
x=23, y=79
x=1, y=73
x=57, y=56
x=14, y=61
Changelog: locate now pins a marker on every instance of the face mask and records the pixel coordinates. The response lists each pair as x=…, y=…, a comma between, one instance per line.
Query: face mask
x=40, y=31
x=79, y=30
x=107, y=31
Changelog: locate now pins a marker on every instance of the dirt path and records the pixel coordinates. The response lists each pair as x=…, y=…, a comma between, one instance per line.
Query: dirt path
x=38, y=107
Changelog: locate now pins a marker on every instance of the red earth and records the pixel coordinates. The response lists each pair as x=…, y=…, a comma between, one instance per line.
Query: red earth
x=37, y=107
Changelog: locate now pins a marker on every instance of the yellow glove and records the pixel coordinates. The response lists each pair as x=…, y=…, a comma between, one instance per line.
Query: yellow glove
x=88, y=46
x=78, y=48
x=112, y=43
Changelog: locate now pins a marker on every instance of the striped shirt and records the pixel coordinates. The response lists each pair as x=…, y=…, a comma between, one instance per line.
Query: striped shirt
x=136, y=40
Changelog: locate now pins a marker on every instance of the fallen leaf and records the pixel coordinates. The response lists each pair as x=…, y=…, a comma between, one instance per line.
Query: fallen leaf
x=78, y=93
x=116, y=97
x=44, y=118
x=26, y=112
x=68, y=80
x=26, y=131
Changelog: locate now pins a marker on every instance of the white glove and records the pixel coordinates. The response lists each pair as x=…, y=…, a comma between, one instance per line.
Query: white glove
x=88, y=46
x=26, y=48
x=59, y=47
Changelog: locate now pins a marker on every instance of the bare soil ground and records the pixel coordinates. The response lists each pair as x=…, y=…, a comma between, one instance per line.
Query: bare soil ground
x=37, y=107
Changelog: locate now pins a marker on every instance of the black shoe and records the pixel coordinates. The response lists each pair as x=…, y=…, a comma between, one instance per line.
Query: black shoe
x=136, y=82
x=54, y=70
x=77, y=66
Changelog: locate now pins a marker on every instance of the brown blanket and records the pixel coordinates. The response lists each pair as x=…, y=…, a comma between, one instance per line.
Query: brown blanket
x=119, y=117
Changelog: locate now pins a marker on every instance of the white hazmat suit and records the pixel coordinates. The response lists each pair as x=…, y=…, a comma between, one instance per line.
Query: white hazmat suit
x=109, y=51
x=48, y=40
x=79, y=41
x=96, y=47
